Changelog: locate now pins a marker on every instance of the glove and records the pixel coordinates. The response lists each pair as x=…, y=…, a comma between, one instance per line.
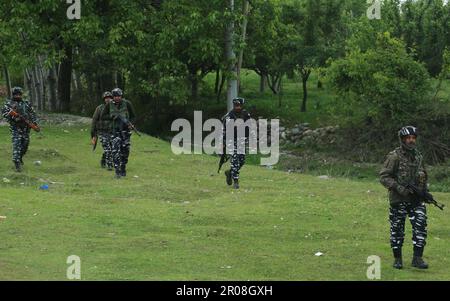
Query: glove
x=403, y=191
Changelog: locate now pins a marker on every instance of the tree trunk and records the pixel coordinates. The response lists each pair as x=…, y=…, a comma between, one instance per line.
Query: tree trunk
x=115, y=78
x=216, y=85
x=193, y=80
x=121, y=81
x=280, y=94
x=53, y=99
x=106, y=82
x=273, y=82
x=305, y=75
x=222, y=84
x=8, y=81
x=77, y=83
x=262, y=83
x=232, y=87
x=245, y=10
x=42, y=73
x=278, y=85
x=31, y=85
x=38, y=84
x=194, y=88
x=98, y=88
x=65, y=80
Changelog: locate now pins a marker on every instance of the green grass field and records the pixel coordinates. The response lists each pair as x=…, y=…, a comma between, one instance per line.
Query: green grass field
x=177, y=220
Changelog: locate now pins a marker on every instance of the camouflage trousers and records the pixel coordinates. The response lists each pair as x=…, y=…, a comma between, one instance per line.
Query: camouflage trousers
x=120, y=149
x=237, y=161
x=20, y=142
x=417, y=216
x=106, y=141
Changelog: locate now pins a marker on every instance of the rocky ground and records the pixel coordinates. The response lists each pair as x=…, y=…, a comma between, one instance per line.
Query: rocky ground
x=303, y=132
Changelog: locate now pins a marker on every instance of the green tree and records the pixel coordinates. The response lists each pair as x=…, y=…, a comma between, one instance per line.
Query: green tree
x=381, y=86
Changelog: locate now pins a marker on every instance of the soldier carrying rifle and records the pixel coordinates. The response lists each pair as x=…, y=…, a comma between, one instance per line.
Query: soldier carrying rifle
x=21, y=117
x=120, y=111
x=405, y=177
x=101, y=128
x=234, y=144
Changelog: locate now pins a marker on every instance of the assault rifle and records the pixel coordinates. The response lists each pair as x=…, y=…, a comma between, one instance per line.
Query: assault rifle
x=128, y=124
x=30, y=124
x=424, y=196
x=223, y=158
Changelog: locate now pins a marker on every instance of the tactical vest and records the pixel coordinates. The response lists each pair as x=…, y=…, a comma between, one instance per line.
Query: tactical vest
x=408, y=167
x=234, y=116
x=20, y=107
x=104, y=122
x=115, y=111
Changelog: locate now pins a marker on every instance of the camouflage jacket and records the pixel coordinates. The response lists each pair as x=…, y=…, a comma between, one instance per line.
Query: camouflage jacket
x=402, y=167
x=233, y=116
x=24, y=108
x=100, y=123
x=124, y=109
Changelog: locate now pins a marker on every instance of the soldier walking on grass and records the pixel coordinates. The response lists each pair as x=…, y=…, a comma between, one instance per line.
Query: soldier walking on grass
x=404, y=166
x=121, y=113
x=235, y=145
x=101, y=128
x=21, y=117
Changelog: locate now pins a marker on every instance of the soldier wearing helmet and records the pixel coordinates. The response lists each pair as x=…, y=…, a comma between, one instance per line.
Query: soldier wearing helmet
x=405, y=166
x=101, y=128
x=237, y=159
x=20, y=115
x=121, y=113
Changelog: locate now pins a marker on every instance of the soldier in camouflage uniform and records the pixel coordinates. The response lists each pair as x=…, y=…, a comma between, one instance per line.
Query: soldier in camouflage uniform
x=121, y=112
x=405, y=166
x=236, y=143
x=20, y=131
x=101, y=128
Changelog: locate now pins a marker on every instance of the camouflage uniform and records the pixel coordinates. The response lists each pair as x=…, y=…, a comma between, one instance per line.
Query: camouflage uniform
x=238, y=143
x=20, y=132
x=120, y=133
x=101, y=127
x=405, y=166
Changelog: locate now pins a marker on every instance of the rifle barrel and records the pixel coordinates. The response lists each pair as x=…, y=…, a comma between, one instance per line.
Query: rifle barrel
x=425, y=196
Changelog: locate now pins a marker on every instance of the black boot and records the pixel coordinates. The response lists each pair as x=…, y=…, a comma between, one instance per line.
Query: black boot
x=417, y=261
x=236, y=184
x=228, y=176
x=398, y=262
x=118, y=173
x=124, y=171
x=18, y=166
